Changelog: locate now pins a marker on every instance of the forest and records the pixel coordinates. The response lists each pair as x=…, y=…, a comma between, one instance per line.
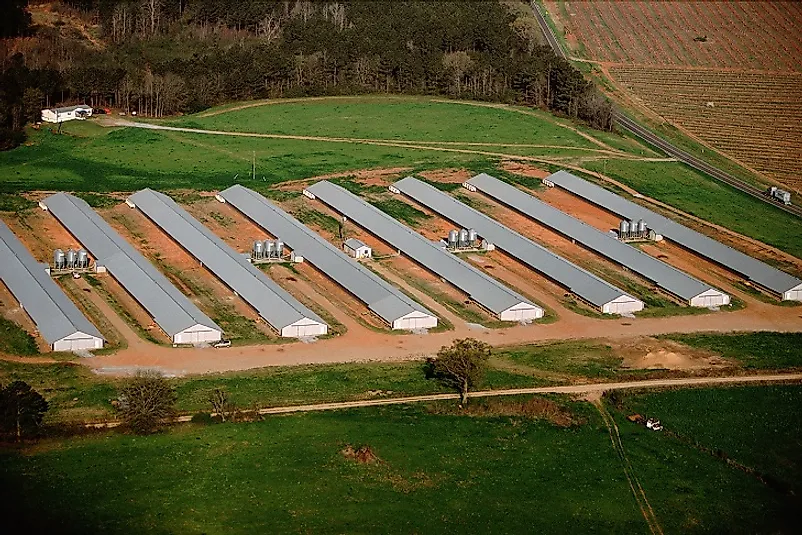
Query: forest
x=160, y=58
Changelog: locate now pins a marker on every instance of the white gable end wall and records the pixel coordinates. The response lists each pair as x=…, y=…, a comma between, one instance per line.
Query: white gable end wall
x=521, y=312
x=415, y=320
x=622, y=305
x=77, y=342
x=304, y=328
x=710, y=298
x=794, y=294
x=197, y=334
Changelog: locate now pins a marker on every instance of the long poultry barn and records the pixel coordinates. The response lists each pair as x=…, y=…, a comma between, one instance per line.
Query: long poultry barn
x=598, y=293
x=177, y=316
x=787, y=287
x=57, y=318
x=275, y=305
x=384, y=300
x=671, y=280
x=501, y=301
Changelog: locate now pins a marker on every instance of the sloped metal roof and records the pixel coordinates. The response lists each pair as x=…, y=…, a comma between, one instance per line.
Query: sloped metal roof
x=275, y=305
x=171, y=309
x=382, y=298
x=665, y=276
x=354, y=244
x=586, y=285
x=54, y=314
x=754, y=270
x=485, y=290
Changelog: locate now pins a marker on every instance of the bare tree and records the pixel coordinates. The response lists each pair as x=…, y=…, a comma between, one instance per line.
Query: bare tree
x=221, y=405
x=460, y=365
x=146, y=401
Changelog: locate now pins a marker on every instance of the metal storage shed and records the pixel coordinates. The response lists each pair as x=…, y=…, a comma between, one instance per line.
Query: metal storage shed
x=275, y=305
x=506, y=304
x=59, y=321
x=383, y=299
x=670, y=279
x=789, y=288
x=171, y=310
x=591, y=289
x=357, y=248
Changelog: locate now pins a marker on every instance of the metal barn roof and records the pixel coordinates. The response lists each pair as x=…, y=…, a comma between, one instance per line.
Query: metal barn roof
x=665, y=276
x=483, y=289
x=353, y=243
x=754, y=270
x=586, y=285
x=383, y=299
x=54, y=314
x=275, y=305
x=169, y=308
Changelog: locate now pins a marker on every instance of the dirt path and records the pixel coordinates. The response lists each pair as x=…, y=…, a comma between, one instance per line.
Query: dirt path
x=596, y=388
x=634, y=484
x=417, y=145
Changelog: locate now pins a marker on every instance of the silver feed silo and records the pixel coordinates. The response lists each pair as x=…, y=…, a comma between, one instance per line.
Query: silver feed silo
x=463, y=238
x=453, y=238
x=623, y=229
x=72, y=256
x=633, y=229
x=279, y=248
x=258, y=250
x=641, y=228
x=59, y=260
x=472, y=237
x=83, y=259
x=270, y=248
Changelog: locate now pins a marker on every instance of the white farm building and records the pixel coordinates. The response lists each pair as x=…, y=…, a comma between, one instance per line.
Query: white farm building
x=357, y=248
x=69, y=113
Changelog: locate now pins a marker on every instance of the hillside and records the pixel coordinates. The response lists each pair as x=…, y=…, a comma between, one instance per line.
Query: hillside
x=727, y=73
x=160, y=59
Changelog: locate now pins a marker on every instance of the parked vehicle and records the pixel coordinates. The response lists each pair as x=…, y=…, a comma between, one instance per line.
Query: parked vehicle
x=222, y=343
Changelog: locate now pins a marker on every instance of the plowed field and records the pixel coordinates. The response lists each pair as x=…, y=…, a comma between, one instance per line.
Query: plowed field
x=727, y=73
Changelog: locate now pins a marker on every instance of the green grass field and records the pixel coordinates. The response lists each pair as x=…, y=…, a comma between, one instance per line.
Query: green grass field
x=495, y=469
x=88, y=158
x=755, y=427
x=751, y=350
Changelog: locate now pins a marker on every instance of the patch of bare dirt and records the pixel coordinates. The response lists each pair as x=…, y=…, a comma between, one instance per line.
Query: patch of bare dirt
x=361, y=455
x=524, y=169
x=447, y=175
x=654, y=354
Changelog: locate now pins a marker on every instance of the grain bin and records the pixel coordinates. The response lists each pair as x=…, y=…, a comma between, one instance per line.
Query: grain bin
x=59, y=260
x=258, y=250
x=453, y=238
x=623, y=229
x=463, y=238
x=641, y=228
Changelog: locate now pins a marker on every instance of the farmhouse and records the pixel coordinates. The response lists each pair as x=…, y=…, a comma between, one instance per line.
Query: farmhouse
x=59, y=115
x=357, y=248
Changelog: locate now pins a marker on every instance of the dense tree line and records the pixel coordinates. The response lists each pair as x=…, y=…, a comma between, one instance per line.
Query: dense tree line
x=158, y=58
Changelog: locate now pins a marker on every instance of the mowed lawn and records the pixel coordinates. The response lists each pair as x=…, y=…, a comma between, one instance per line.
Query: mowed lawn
x=438, y=472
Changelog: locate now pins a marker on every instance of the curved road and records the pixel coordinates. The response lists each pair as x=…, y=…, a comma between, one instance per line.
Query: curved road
x=656, y=141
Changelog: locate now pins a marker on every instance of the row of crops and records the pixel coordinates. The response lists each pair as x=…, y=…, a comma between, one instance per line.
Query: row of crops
x=745, y=35
x=755, y=118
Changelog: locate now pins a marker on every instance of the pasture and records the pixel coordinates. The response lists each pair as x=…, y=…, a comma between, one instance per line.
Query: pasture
x=407, y=134
x=437, y=469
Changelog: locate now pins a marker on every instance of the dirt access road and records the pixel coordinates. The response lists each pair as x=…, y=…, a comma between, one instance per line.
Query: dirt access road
x=591, y=390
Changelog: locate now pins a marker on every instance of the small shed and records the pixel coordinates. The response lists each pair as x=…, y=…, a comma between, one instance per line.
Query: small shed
x=357, y=248
x=59, y=115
